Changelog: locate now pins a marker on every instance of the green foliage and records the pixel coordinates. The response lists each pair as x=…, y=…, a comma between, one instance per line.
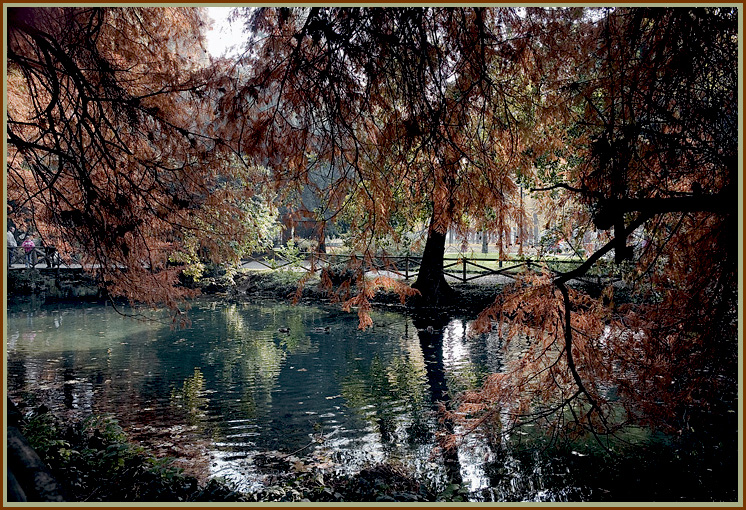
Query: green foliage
x=191, y=396
x=200, y=249
x=291, y=252
x=41, y=432
x=454, y=492
x=194, y=268
x=94, y=461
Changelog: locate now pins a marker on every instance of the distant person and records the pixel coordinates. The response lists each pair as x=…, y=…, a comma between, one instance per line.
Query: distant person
x=28, y=247
x=12, y=245
x=51, y=256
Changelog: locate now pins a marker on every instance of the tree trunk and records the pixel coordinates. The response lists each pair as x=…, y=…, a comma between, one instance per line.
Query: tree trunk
x=520, y=227
x=431, y=283
x=322, y=238
x=485, y=237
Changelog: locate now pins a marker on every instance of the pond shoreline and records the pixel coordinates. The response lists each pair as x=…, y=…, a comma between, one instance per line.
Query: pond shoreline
x=52, y=286
x=283, y=477
x=79, y=474
x=44, y=288
x=285, y=481
x=283, y=286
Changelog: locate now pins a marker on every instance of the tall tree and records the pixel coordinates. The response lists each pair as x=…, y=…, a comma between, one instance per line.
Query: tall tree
x=111, y=148
x=443, y=106
x=429, y=106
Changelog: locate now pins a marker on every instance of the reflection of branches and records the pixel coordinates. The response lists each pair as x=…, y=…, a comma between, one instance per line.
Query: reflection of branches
x=183, y=320
x=571, y=360
x=667, y=166
x=317, y=439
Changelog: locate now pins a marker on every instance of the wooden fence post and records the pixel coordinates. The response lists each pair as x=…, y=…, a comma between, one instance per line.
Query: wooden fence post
x=463, y=261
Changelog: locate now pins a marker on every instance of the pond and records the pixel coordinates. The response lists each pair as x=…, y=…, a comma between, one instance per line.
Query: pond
x=248, y=381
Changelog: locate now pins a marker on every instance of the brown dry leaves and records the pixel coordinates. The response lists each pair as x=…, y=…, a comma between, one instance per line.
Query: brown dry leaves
x=111, y=154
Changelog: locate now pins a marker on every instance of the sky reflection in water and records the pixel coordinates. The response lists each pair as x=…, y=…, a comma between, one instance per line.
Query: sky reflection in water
x=237, y=380
x=235, y=385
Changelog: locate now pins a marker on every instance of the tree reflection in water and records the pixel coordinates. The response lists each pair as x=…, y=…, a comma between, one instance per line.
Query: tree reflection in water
x=236, y=385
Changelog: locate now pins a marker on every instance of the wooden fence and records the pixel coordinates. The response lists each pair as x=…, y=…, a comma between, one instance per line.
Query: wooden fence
x=462, y=269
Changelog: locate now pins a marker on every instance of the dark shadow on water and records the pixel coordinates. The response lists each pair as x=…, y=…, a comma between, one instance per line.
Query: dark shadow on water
x=430, y=326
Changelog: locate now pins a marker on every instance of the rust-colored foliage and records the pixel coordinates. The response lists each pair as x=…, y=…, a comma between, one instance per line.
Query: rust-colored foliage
x=410, y=112
x=124, y=148
x=436, y=113
x=660, y=159
x=112, y=154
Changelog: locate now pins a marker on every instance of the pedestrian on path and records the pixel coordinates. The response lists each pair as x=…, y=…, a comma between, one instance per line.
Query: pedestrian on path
x=28, y=246
x=12, y=245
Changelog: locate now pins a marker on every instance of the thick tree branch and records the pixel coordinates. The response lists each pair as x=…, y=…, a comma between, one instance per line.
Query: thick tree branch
x=585, y=266
x=563, y=185
x=612, y=208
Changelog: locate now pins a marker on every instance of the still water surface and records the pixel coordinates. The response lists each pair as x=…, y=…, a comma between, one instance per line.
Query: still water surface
x=250, y=378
